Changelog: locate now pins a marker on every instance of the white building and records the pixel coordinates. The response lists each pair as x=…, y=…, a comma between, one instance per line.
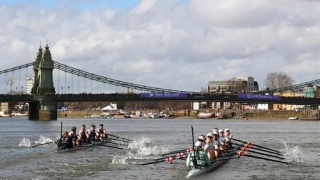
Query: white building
x=29, y=84
x=262, y=107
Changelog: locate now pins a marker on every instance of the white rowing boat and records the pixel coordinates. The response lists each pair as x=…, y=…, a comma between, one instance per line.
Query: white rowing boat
x=215, y=164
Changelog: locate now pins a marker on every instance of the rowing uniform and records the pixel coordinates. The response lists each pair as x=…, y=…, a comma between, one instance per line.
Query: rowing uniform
x=210, y=146
x=101, y=132
x=92, y=135
x=221, y=139
x=202, y=159
x=216, y=143
x=83, y=136
x=66, y=143
x=230, y=138
x=72, y=136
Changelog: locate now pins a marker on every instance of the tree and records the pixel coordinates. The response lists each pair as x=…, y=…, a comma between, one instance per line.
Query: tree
x=278, y=80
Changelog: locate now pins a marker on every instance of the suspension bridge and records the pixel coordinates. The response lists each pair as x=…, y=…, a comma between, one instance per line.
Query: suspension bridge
x=44, y=96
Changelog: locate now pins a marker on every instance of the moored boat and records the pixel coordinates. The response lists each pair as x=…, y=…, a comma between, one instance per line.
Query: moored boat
x=204, y=115
x=293, y=118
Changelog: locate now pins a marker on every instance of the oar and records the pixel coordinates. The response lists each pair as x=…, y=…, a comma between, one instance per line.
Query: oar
x=221, y=159
x=260, y=149
x=175, y=151
x=42, y=144
x=109, y=140
x=256, y=145
x=118, y=137
x=110, y=146
x=167, y=159
x=267, y=159
x=115, y=143
x=180, y=155
x=252, y=151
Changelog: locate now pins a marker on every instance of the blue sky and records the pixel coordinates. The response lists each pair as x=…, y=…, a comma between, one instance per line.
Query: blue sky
x=79, y=4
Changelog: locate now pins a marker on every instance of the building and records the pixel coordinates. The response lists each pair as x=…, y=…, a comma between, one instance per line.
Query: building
x=29, y=84
x=233, y=85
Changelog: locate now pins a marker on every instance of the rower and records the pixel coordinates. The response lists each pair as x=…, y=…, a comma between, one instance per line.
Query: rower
x=216, y=145
x=73, y=135
x=215, y=130
x=198, y=154
x=92, y=133
x=82, y=137
x=228, y=137
x=222, y=140
x=102, y=132
x=209, y=147
x=66, y=141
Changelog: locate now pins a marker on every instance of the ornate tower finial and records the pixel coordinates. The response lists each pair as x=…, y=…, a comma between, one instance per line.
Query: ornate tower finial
x=40, y=46
x=47, y=43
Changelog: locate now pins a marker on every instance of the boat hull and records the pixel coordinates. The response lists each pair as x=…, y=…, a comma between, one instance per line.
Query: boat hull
x=216, y=164
x=80, y=147
x=293, y=118
x=205, y=115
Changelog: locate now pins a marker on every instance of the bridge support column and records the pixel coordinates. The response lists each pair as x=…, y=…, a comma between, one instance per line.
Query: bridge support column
x=33, y=112
x=48, y=110
x=45, y=109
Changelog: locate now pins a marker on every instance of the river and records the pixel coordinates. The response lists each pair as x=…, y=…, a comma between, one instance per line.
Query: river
x=298, y=139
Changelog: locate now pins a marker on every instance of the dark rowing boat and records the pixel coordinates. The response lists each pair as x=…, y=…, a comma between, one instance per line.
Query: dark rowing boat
x=80, y=147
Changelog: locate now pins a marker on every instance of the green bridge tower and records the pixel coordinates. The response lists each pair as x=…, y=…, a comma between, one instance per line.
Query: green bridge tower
x=44, y=108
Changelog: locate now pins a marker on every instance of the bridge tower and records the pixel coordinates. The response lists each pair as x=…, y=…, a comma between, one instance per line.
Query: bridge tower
x=35, y=70
x=45, y=107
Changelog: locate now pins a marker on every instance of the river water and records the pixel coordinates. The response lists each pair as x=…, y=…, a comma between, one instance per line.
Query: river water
x=298, y=139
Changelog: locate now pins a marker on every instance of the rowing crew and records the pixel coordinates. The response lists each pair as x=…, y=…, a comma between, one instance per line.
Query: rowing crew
x=210, y=148
x=73, y=138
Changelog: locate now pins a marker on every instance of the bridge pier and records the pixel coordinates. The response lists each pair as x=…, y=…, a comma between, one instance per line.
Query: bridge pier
x=48, y=111
x=33, y=112
x=43, y=110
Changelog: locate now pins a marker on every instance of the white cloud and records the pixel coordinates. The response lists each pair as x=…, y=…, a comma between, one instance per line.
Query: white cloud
x=168, y=44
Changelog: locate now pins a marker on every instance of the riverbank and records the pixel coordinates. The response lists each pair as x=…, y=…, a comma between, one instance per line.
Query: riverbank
x=252, y=114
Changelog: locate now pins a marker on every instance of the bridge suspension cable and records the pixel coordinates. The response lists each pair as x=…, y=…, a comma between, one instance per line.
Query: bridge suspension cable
x=292, y=88
x=107, y=80
x=98, y=78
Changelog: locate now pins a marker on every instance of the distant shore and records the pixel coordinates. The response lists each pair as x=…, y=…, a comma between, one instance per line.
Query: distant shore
x=254, y=114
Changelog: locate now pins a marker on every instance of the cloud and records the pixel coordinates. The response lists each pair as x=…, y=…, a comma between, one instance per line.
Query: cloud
x=167, y=43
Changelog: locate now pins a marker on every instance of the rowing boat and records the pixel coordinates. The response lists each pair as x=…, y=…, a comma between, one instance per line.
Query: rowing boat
x=80, y=147
x=214, y=165
x=89, y=145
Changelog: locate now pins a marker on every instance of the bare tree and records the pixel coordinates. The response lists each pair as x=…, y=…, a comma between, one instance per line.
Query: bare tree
x=278, y=80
